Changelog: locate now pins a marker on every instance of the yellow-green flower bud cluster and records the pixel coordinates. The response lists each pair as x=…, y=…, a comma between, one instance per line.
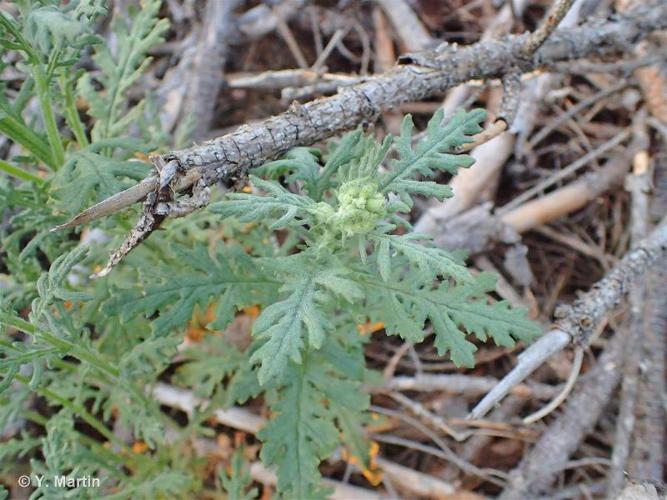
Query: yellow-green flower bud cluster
x=360, y=207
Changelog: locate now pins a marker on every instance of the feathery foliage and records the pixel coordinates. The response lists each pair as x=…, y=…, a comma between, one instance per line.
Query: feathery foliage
x=344, y=212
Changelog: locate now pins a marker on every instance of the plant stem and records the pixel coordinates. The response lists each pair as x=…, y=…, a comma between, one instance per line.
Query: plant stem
x=79, y=410
x=71, y=113
x=24, y=136
x=19, y=173
x=49, y=117
x=62, y=344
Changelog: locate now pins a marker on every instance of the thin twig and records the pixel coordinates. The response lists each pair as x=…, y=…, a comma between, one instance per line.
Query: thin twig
x=550, y=454
x=443, y=451
x=429, y=74
x=575, y=110
x=556, y=13
x=263, y=19
x=292, y=44
x=428, y=417
x=566, y=171
x=569, y=385
x=529, y=360
x=322, y=58
x=576, y=322
x=467, y=385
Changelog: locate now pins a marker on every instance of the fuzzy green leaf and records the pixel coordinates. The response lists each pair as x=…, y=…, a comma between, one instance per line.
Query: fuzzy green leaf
x=48, y=28
x=430, y=155
x=282, y=324
x=278, y=205
x=429, y=260
x=299, y=164
x=454, y=312
x=305, y=430
x=230, y=280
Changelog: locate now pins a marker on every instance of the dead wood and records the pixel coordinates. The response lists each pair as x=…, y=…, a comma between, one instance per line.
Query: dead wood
x=651, y=80
x=575, y=323
x=467, y=385
x=411, y=481
x=556, y=13
x=209, y=61
x=420, y=76
x=648, y=452
x=482, y=177
x=262, y=19
x=477, y=229
x=563, y=436
x=639, y=185
x=410, y=29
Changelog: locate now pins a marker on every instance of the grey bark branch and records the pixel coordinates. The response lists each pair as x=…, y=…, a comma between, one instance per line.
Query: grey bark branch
x=648, y=451
x=209, y=63
x=556, y=13
x=639, y=185
x=549, y=455
x=580, y=319
x=426, y=74
x=575, y=323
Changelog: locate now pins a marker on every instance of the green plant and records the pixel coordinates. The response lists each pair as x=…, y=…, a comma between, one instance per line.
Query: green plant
x=321, y=244
x=352, y=259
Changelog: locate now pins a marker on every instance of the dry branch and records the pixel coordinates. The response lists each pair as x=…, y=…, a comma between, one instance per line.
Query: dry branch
x=639, y=185
x=575, y=323
x=571, y=197
x=556, y=13
x=424, y=75
x=477, y=229
x=262, y=19
x=482, y=177
x=648, y=451
x=467, y=385
x=410, y=29
x=549, y=455
x=208, y=65
x=279, y=79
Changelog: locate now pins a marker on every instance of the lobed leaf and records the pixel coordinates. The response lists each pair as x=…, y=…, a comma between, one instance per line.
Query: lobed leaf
x=229, y=280
x=454, y=312
x=431, y=154
x=279, y=205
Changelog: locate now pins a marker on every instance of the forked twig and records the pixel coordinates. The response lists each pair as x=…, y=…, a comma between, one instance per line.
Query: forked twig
x=562, y=396
x=576, y=322
x=556, y=13
x=422, y=75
